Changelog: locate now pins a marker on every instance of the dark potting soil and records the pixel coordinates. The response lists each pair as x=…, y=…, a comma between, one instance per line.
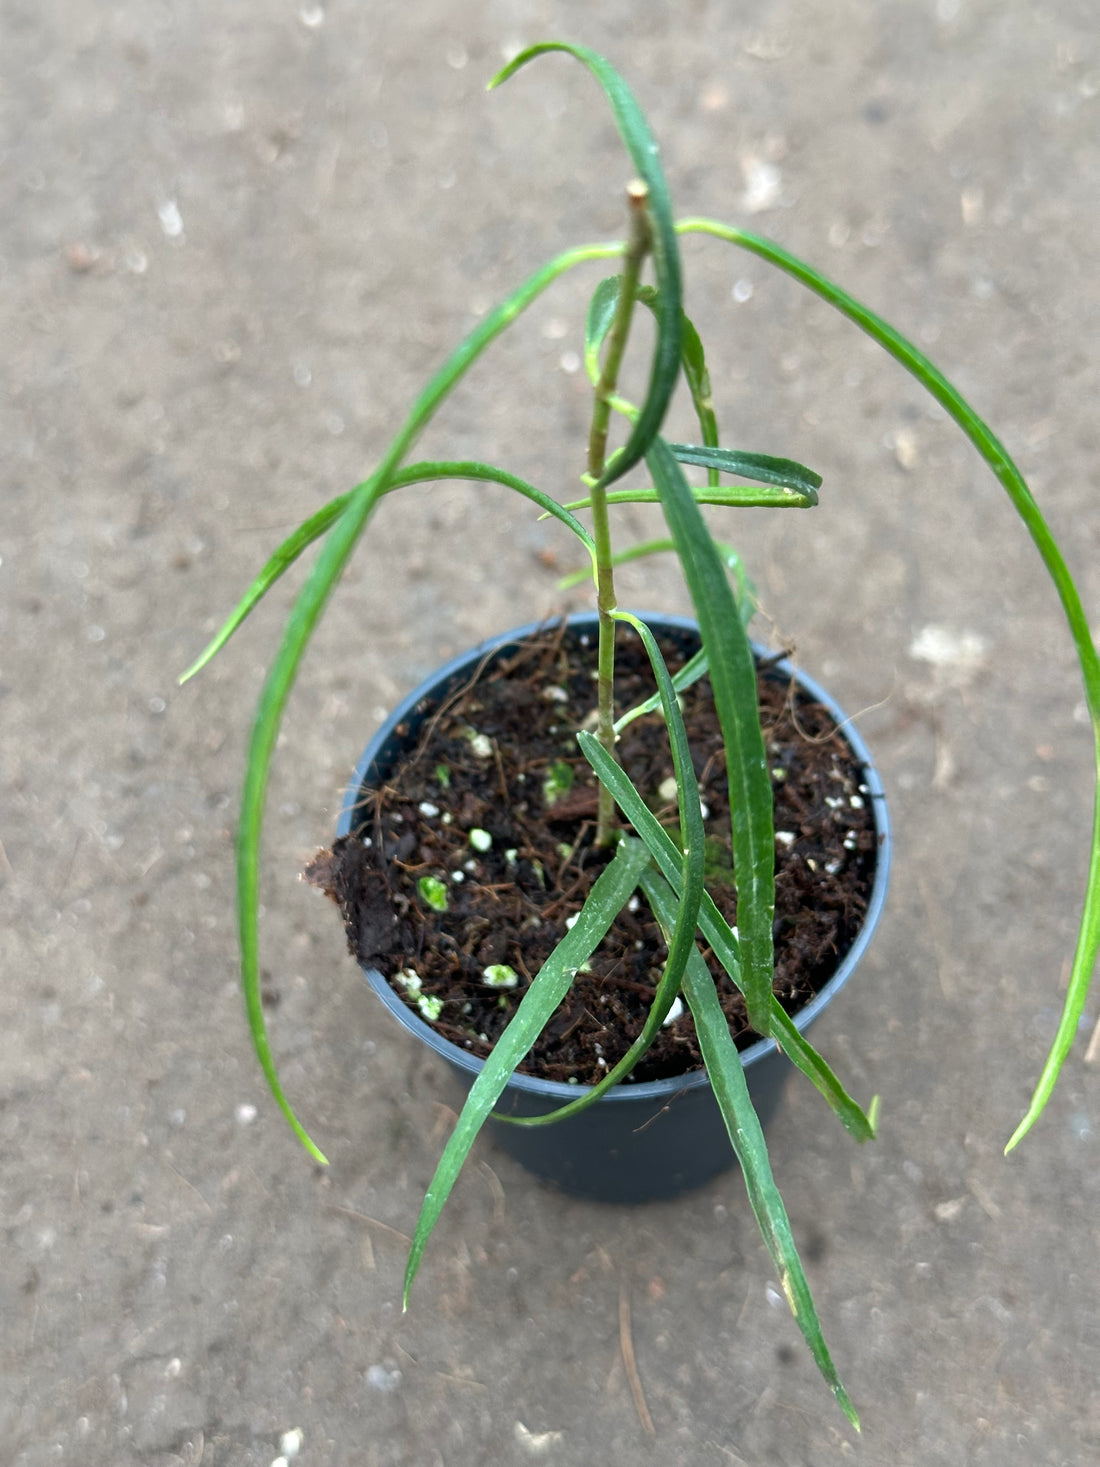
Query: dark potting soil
x=500, y=757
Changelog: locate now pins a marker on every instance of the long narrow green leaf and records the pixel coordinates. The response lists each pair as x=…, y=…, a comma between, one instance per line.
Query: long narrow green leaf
x=640, y=551
x=313, y=528
x=697, y=665
x=729, y=496
x=281, y=560
x=642, y=147
x=610, y=893
x=745, y=590
x=1000, y=462
x=736, y=701
x=697, y=378
x=682, y=940
x=691, y=671
x=724, y=944
x=762, y=468
x=601, y=313
x=727, y=1078
x=308, y=607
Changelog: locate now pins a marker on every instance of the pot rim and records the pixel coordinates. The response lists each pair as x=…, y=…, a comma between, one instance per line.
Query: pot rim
x=648, y=1090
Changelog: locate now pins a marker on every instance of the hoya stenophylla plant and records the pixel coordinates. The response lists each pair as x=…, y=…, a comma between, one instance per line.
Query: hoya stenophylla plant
x=642, y=855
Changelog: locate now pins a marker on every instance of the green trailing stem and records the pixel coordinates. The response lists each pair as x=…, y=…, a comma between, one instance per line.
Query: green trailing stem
x=1012, y=480
x=313, y=528
x=343, y=535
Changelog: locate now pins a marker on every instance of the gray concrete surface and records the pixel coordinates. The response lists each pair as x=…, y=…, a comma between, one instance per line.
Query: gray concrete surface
x=233, y=238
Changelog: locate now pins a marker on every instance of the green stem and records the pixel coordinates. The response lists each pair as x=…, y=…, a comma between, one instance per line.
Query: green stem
x=637, y=247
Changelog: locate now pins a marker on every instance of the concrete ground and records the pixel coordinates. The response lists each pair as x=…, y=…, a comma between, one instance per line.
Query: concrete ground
x=234, y=237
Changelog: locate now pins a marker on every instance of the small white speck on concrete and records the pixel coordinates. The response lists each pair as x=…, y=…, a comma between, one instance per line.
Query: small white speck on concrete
x=171, y=221
x=1080, y=1124
x=245, y=1113
x=763, y=184
x=943, y=647
x=536, y=1442
x=905, y=447
x=381, y=1379
x=948, y=1211
x=290, y=1443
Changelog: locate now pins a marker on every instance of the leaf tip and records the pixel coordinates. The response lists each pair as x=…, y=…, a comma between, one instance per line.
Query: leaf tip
x=1018, y=1134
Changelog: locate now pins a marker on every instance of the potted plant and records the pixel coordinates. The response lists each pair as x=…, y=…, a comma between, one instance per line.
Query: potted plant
x=465, y=846
x=638, y=857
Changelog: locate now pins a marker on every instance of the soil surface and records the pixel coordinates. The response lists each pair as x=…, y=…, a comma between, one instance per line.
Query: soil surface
x=493, y=819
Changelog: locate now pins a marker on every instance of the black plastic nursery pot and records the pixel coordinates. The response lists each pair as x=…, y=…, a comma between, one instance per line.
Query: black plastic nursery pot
x=643, y=1141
